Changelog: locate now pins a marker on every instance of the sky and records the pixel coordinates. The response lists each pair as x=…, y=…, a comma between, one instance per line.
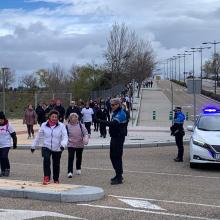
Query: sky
x=36, y=34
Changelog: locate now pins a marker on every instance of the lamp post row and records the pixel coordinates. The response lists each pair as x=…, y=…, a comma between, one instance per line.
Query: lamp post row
x=186, y=53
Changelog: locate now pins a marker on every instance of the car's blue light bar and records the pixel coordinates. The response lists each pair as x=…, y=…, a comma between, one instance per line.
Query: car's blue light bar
x=211, y=110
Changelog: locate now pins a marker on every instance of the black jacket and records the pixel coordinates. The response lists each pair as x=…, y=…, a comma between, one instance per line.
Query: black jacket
x=103, y=115
x=73, y=109
x=61, y=111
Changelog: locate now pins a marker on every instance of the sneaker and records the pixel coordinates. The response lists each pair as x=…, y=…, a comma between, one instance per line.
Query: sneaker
x=78, y=172
x=56, y=182
x=70, y=175
x=29, y=137
x=46, y=180
x=33, y=136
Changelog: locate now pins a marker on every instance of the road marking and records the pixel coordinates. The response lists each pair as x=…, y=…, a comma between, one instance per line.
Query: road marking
x=166, y=201
x=156, y=173
x=137, y=172
x=136, y=203
x=148, y=211
x=13, y=214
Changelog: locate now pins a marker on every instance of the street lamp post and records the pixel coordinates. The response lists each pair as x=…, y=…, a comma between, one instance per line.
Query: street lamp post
x=200, y=49
x=215, y=69
x=184, y=65
x=3, y=87
x=175, y=58
x=194, y=93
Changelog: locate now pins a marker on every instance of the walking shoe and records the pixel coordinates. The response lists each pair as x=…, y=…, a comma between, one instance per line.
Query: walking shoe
x=46, y=180
x=56, y=182
x=116, y=181
x=6, y=173
x=28, y=137
x=70, y=175
x=112, y=179
x=78, y=172
x=178, y=160
x=33, y=136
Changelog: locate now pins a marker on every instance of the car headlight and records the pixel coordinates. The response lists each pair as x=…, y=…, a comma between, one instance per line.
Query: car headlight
x=200, y=143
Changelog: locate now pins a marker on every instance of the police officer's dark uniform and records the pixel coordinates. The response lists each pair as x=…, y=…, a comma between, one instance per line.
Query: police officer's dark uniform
x=117, y=131
x=177, y=130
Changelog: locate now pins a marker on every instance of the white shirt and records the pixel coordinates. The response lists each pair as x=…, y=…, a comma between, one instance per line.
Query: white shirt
x=87, y=114
x=5, y=137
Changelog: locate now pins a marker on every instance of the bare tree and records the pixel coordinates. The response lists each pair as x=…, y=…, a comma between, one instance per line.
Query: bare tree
x=121, y=44
x=56, y=78
x=142, y=63
x=29, y=81
x=9, y=77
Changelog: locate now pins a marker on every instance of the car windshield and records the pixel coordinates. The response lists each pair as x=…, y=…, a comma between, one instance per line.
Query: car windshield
x=209, y=123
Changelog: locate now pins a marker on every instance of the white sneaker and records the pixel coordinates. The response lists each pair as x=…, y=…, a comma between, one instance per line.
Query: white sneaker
x=70, y=175
x=78, y=172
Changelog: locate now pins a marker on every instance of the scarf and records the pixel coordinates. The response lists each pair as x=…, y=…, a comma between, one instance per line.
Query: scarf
x=51, y=123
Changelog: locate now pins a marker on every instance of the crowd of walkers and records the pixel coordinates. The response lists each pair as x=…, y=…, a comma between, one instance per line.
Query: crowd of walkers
x=69, y=128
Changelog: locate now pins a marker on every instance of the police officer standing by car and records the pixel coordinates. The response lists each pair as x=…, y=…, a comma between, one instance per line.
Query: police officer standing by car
x=177, y=130
x=117, y=131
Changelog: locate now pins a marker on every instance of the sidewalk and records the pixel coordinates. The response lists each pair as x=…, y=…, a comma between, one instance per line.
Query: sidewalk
x=148, y=132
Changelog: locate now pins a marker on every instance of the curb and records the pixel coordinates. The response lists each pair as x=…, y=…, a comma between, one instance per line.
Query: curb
x=126, y=145
x=73, y=193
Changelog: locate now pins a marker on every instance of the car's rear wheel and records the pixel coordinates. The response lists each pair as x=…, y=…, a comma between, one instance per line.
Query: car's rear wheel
x=194, y=165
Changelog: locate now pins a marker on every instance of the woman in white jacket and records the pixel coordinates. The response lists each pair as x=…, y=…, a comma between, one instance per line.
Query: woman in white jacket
x=55, y=139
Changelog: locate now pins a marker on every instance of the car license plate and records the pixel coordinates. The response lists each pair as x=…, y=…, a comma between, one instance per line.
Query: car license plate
x=217, y=156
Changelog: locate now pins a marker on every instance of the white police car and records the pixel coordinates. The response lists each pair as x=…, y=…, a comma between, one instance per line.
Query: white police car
x=205, y=139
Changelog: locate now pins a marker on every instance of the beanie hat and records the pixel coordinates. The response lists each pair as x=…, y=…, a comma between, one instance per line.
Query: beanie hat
x=2, y=115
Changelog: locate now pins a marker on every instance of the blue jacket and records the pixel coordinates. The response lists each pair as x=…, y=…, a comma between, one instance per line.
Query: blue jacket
x=118, y=123
x=179, y=118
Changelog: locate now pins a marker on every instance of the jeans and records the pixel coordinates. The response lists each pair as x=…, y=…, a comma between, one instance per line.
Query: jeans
x=71, y=153
x=4, y=161
x=46, y=154
x=116, y=152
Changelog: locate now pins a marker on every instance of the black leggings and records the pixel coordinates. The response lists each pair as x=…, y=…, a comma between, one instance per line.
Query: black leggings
x=88, y=126
x=71, y=153
x=4, y=161
x=30, y=129
x=46, y=154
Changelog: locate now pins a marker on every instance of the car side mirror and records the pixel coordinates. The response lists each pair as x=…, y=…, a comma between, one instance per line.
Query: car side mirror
x=190, y=128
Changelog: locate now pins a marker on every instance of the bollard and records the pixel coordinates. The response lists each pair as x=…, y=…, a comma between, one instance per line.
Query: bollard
x=171, y=116
x=154, y=115
x=187, y=116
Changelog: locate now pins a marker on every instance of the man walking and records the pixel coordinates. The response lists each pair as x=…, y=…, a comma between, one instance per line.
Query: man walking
x=177, y=130
x=117, y=131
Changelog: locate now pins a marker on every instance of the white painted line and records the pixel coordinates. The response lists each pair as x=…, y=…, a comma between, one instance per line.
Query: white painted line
x=137, y=172
x=156, y=173
x=148, y=211
x=13, y=214
x=136, y=203
x=167, y=201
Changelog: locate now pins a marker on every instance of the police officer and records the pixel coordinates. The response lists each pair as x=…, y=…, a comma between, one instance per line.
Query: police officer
x=117, y=131
x=177, y=130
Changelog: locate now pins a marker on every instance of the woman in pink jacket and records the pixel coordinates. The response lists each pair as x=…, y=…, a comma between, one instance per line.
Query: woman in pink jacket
x=77, y=138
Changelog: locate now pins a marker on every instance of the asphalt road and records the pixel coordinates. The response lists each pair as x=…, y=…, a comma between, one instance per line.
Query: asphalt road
x=182, y=98
x=172, y=190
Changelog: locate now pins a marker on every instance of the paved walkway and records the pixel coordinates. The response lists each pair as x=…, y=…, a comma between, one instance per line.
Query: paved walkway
x=147, y=132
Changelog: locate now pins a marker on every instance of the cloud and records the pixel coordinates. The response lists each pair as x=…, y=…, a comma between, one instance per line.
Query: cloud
x=75, y=31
